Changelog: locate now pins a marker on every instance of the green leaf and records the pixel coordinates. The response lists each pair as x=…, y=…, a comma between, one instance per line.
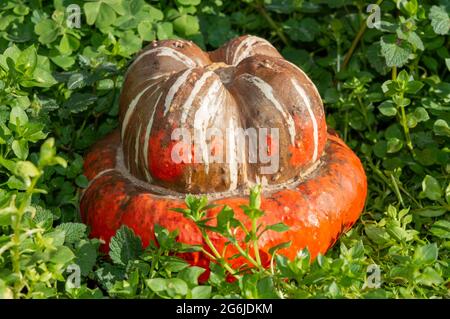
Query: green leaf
x=429, y=277
x=447, y=193
x=124, y=246
x=73, y=231
x=413, y=87
x=387, y=108
x=279, y=227
x=86, y=256
x=190, y=275
x=304, y=30
x=430, y=211
x=283, y=245
x=376, y=59
x=47, y=30
x=27, y=59
x=173, y=287
x=92, y=9
x=421, y=114
x=441, y=229
x=440, y=20
x=425, y=255
x=18, y=116
x=201, y=292
x=68, y=44
x=186, y=25
x=20, y=148
x=145, y=31
x=62, y=255
x=41, y=78
x=266, y=288
x=80, y=102
x=283, y=6
x=77, y=81
x=377, y=234
x=157, y=284
x=394, y=145
x=441, y=128
x=164, y=30
x=129, y=43
x=431, y=188
x=188, y=2
x=82, y=181
x=395, y=51
x=26, y=169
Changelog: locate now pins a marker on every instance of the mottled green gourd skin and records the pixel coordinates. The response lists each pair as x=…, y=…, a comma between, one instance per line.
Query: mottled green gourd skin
x=321, y=188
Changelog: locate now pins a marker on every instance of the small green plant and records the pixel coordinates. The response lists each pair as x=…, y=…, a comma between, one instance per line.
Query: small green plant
x=386, y=90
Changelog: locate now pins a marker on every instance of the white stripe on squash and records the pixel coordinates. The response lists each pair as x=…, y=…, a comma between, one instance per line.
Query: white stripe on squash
x=251, y=43
x=174, y=89
x=307, y=103
x=168, y=52
x=132, y=107
x=232, y=155
x=136, y=145
x=207, y=110
x=148, y=131
x=267, y=91
x=197, y=87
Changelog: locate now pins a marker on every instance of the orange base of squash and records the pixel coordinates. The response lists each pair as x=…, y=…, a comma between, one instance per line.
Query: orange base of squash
x=317, y=210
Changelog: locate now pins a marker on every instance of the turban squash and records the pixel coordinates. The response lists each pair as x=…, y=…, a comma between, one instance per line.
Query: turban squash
x=318, y=189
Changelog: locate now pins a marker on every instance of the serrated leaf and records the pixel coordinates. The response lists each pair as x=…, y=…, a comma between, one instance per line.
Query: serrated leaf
x=125, y=246
x=440, y=20
x=73, y=231
x=395, y=51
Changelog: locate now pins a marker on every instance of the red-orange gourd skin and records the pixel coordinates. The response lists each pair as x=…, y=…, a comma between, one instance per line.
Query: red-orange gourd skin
x=317, y=211
x=317, y=207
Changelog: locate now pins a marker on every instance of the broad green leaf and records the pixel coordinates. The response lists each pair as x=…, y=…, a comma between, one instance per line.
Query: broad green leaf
x=86, y=256
x=201, y=292
x=164, y=31
x=47, y=30
x=18, y=116
x=62, y=255
x=394, y=145
x=92, y=9
x=304, y=30
x=186, y=25
x=387, y=108
x=395, y=51
x=431, y=188
x=283, y=6
x=27, y=59
x=425, y=255
x=440, y=20
x=429, y=277
x=73, y=231
x=124, y=246
x=441, y=128
x=20, y=148
x=190, y=275
x=441, y=229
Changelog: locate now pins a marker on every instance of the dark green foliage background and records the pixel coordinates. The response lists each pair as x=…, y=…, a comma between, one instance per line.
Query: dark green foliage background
x=386, y=90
